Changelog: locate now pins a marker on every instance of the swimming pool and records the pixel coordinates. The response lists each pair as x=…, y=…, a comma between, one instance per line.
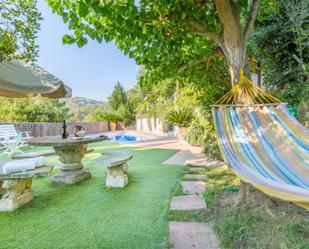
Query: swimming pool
x=125, y=137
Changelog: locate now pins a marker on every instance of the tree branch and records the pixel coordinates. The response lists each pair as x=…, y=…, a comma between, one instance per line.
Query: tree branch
x=229, y=19
x=302, y=66
x=252, y=17
x=195, y=28
x=215, y=53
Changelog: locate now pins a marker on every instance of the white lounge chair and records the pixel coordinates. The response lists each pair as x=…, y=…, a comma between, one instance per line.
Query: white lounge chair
x=11, y=140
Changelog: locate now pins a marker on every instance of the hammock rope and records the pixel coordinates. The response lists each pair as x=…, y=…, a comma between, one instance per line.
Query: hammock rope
x=245, y=92
x=262, y=142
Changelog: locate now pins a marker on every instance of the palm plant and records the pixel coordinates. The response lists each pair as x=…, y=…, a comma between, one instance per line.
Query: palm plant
x=182, y=118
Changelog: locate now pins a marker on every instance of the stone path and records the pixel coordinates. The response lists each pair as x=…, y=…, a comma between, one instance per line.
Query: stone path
x=195, y=235
x=181, y=157
x=196, y=177
x=195, y=169
x=192, y=235
x=187, y=235
x=203, y=161
x=188, y=203
x=193, y=187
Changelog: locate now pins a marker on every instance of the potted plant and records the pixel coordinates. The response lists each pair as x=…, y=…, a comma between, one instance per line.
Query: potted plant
x=112, y=120
x=181, y=118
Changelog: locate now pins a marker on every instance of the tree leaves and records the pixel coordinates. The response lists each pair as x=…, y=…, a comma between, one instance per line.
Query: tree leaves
x=67, y=39
x=19, y=24
x=83, y=9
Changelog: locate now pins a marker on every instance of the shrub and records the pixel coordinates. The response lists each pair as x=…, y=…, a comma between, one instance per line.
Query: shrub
x=303, y=113
x=182, y=118
x=195, y=134
x=126, y=114
x=211, y=148
x=110, y=117
x=99, y=115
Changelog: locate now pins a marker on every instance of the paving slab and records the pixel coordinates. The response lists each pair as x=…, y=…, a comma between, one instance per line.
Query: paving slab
x=196, y=169
x=193, y=187
x=188, y=203
x=180, y=158
x=192, y=235
x=196, y=177
x=203, y=161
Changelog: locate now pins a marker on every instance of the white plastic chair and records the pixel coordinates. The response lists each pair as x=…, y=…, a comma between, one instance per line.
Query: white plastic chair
x=11, y=140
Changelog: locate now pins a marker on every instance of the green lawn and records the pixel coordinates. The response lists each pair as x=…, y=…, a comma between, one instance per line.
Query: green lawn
x=89, y=215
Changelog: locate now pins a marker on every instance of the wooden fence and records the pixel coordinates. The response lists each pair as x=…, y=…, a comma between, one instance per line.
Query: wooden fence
x=38, y=129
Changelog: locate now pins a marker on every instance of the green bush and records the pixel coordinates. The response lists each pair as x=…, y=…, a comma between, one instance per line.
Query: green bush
x=303, y=113
x=126, y=114
x=182, y=118
x=195, y=134
x=99, y=115
x=211, y=148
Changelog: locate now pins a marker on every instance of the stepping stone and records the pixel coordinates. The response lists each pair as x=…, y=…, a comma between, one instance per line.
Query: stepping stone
x=195, y=169
x=193, y=187
x=203, y=161
x=188, y=203
x=180, y=158
x=195, y=177
x=192, y=235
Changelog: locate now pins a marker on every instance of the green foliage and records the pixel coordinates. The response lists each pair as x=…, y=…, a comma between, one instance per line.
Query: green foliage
x=211, y=148
x=82, y=108
x=303, y=112
x=153, y=34
x=194, y=135
x=237, y=227
x=123, y=103
x=182, y=118
x=118, y=97
x=126, y=113
x=19, y=24
x=99, y=115
x=159, y=98
x=32, y=110
x=280, y=35
x=166, y=37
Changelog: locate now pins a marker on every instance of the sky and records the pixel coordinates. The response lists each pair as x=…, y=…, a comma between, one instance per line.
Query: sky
x=91, y=71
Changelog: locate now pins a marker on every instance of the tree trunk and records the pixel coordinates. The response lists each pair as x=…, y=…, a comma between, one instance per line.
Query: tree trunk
x=236, y=58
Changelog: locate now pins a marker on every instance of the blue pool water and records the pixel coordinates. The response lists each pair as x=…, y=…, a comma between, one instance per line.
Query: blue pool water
x=128, y=137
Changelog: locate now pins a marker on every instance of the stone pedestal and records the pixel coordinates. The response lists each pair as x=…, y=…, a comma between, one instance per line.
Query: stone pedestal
x=72, y=169
x=116, y=176
x=71, y=177
x=17, y=193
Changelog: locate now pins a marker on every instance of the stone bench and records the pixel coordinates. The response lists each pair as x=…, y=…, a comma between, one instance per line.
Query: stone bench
x=117, y=166
x=15, y=188
x=38, y=154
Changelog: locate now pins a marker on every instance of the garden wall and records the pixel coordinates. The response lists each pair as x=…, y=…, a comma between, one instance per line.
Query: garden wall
x=154, y=125
x=38, y=129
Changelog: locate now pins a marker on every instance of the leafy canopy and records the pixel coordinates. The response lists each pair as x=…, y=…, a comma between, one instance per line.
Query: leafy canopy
x=162, y=35
x=19, y=23
x=32, y=110
x=279, y=37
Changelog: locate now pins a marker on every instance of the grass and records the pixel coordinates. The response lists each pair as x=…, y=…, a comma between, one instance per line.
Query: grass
x=247, y=226
x=89, y=215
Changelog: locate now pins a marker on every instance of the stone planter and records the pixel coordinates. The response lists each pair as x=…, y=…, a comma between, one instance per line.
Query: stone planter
x=181, y=131
x=113, y=126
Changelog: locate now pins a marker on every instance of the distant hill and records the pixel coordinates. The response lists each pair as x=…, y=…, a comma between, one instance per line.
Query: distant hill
x=80, y=107
x=84, y=101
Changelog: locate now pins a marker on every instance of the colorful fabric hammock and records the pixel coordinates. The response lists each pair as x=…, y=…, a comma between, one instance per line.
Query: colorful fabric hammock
x=263, y=144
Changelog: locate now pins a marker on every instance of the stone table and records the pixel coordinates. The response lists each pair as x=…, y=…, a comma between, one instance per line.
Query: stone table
x=71, y=152
x=15, y=188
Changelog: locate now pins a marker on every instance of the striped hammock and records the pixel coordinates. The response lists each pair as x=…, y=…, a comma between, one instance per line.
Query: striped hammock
x=263, y=144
